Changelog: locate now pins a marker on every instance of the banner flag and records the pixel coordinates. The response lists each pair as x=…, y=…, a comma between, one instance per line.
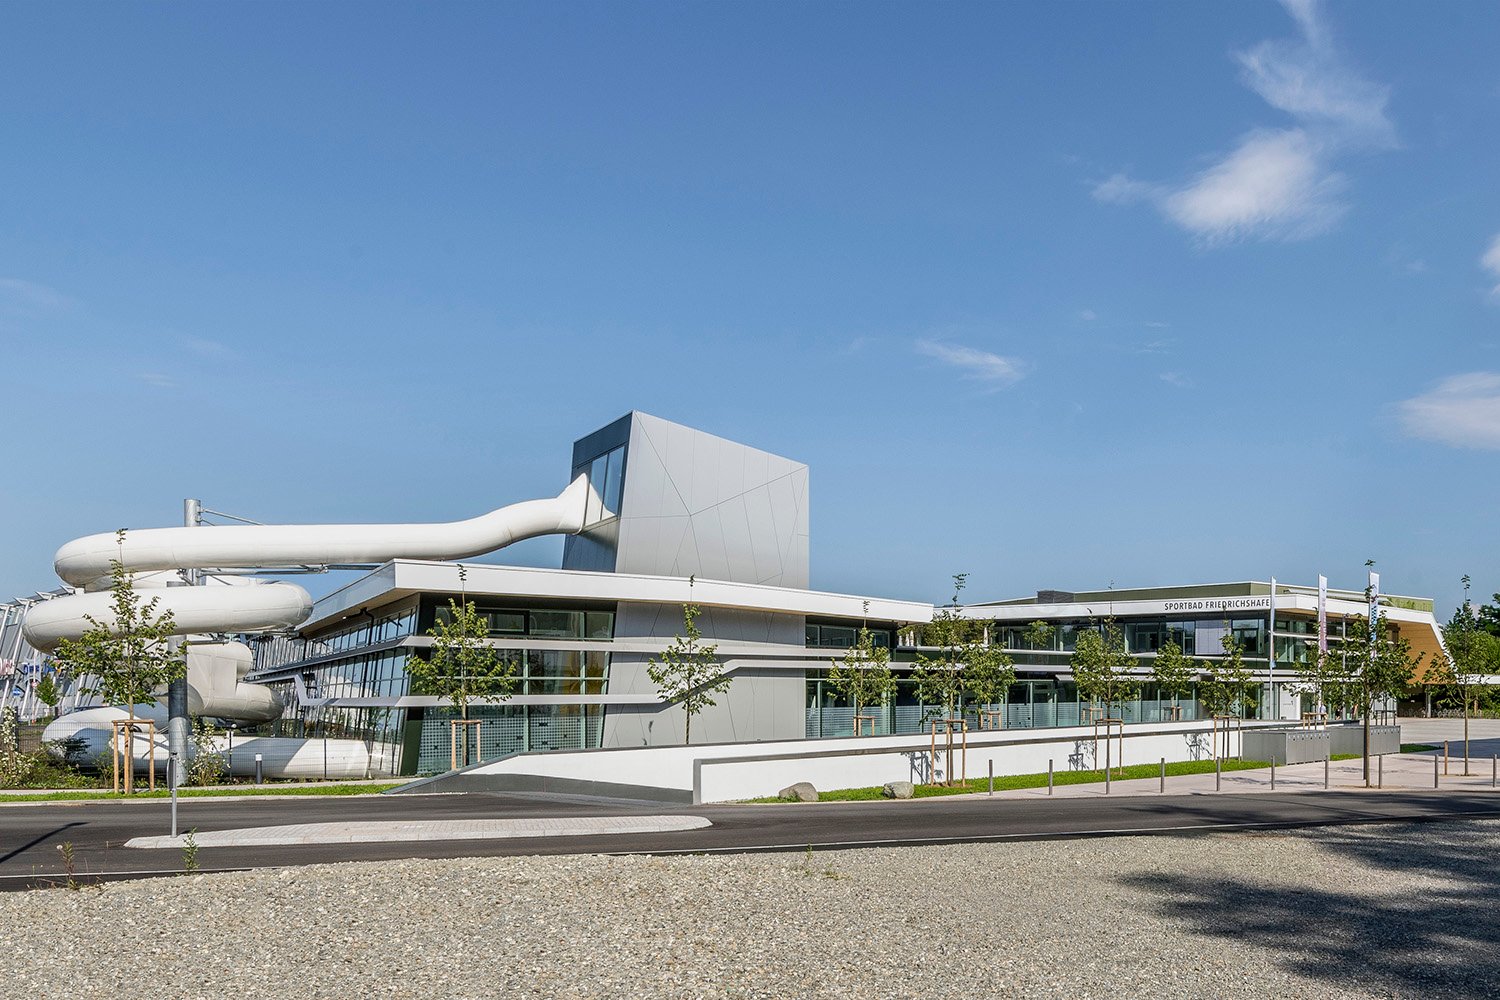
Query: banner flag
x=1323, y=615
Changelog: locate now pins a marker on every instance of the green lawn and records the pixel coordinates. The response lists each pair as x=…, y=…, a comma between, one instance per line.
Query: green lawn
x=1010, y=781
x=1417, y=747
x=203, y=793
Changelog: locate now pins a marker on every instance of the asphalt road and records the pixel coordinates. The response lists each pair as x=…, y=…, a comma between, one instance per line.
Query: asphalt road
x=30, y=835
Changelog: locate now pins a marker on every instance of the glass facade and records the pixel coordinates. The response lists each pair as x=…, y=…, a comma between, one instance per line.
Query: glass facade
x=273, y=651
x=1030, y=703
x=367, y=657
x=1040, y=697
x=506, y=729
x=1144, y=636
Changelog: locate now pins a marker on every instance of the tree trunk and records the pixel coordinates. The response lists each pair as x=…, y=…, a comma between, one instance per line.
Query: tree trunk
x=130, y=750
x=1367, y=744
x=687, y=727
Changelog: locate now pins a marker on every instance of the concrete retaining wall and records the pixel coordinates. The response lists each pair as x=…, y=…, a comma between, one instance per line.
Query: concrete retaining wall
x=729, y=771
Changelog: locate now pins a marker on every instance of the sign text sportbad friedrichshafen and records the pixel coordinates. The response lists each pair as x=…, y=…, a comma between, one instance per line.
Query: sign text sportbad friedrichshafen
x=1218, y=604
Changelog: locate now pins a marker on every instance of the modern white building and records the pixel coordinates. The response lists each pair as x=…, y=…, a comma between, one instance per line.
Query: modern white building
x=674, y=516
x=657, y=515
x=677, y=516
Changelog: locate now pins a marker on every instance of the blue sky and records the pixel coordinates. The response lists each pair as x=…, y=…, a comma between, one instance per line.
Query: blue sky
x=1052, y=294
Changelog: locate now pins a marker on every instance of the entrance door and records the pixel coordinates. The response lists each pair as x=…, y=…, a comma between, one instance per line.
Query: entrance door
x=1043, y=703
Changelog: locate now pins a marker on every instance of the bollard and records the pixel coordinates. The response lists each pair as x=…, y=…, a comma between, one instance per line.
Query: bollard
x=1218, y=771
x=1494, y=769
x=259, y=773
x=1049, y=777
x=992, y=776
x=1325, y=771
x=1435, y=765
x=1106, y=780
x=1273, y=775
x=1164, y=775
x=1445, y=757
x=1380, y=771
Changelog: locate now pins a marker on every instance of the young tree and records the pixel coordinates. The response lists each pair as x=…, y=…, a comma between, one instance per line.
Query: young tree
x=207, y=765
x=1101, y=666
x=1174, y=672
x=1472, y=653
x=1321, y=675
x=47, y=692
x=1380, y=666
x=988, y=672
x=688, y=672
x=863, y=675
x=128, y=654
x=1233, y=685
x=939, y=676
x=1039, y=634
x=1488, y=615
x=462, y=665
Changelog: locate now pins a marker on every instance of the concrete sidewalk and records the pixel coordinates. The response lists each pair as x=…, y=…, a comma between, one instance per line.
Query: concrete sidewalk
x=369, y=832
x=1406, y=772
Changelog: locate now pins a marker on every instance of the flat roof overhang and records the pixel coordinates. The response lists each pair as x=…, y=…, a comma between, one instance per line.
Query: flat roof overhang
x=405, y=577
x=1419, y=628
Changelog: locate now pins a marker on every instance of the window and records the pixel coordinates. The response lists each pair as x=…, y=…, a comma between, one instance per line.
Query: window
x=1067, y=632
x=844, y=636
x=597, y=476
x=598, y=625
x=837, y=636
x=1183, y=633
x=1251, y=633
x=606, y=482
x=507, y=622
x=557, y=624
x=1143, y=637
x=614, y=482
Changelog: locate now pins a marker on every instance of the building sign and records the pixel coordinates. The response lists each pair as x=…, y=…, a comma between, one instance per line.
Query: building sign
x=1219, y=604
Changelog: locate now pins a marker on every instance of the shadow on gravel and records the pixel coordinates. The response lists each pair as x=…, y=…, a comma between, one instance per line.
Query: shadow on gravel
x=1419, y=940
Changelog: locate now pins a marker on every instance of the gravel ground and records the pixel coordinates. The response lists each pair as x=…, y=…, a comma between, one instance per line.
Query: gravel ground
x=1385, y=911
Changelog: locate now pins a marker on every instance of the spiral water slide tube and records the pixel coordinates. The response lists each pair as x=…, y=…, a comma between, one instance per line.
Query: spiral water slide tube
x=227, y=603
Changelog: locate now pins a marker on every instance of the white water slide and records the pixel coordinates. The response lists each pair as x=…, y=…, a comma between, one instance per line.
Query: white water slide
x=227, y=603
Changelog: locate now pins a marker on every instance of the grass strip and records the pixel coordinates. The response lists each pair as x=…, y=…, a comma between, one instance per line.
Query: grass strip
x=1009, y=782
x=204, y=793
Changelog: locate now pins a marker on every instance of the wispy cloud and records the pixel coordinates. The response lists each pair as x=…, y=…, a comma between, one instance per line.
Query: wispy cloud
x=1463, y=411
x=1087, y=315
x=20, y=295
x=210, y=350
x=158, y=380
x=1399, y=258
x=1278, y=183
x=1273, y=186
x=1491, y=263
x=981, y=366
x=1176, y=378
